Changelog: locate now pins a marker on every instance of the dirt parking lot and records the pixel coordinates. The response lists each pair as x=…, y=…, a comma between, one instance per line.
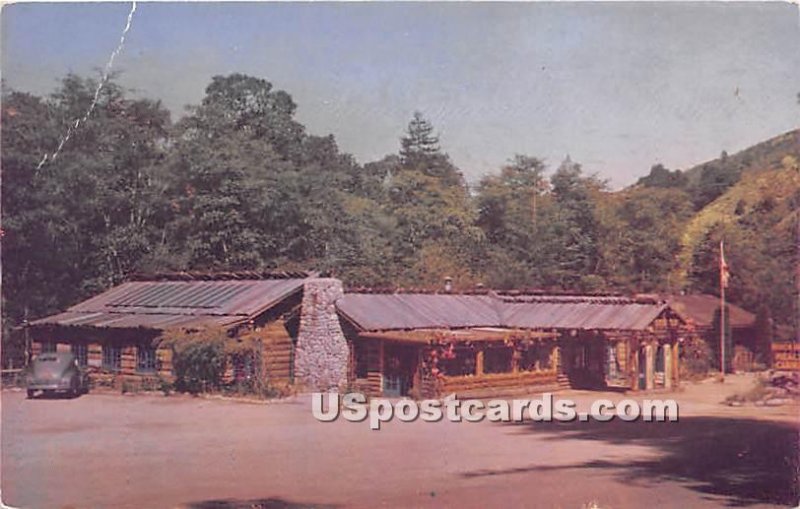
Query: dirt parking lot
x=152, y=451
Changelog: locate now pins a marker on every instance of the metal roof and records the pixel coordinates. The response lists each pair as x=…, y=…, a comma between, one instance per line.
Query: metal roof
x=133, y=321
x=700, y=308
x=166, y=304
x=419, y=311
x=381, y=312
x=581, y=315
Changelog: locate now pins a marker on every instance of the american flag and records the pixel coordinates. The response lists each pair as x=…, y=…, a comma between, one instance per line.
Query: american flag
x=724, y=271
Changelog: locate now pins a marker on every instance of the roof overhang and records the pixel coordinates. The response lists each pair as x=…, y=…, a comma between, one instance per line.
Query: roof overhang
x=433, y=336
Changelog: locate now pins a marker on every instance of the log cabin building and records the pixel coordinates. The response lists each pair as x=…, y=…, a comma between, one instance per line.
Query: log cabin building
x=496, y=345
x=116, y=335
x=699, y=310
x=316, y=336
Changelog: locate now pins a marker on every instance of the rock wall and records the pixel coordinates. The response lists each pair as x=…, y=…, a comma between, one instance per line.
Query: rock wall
x=322, y=354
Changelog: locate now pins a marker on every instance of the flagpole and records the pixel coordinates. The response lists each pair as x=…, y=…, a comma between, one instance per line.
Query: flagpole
x=722, y=284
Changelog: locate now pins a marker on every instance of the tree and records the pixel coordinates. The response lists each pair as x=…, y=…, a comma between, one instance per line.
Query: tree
x=430, y=204
x=641, y=230
x=419, y=143
x=420, y=151
x=763, y=335
x=509, y=206
x=251, y=189
x=572, y=254
x=85, y=219
x=659, y=176
x=715, y=178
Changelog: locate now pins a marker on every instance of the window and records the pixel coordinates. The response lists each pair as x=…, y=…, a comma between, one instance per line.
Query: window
x=81, y=353
x=536, y=357
x=112, y=357
x=497, y=359
x=460, y=363
x=48, y=347
x=145, y=359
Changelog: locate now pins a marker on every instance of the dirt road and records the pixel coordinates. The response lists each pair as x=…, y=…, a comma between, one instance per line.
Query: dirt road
x=151, y=451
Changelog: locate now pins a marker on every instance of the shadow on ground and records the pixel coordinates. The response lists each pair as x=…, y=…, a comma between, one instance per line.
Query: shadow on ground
x=261, y=503
x=745, y=461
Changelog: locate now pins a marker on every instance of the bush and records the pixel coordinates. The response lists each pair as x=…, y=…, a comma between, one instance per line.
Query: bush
x=696, y=358
x=165, y=386
x=199, y=366
x=200, y=361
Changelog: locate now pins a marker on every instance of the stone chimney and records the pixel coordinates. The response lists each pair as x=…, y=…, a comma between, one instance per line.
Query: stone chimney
x=322, y=354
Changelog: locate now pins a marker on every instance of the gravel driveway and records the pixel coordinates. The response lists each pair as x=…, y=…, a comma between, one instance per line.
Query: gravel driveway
x=152, y=451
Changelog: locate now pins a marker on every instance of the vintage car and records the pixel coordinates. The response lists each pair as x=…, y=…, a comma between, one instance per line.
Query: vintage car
x=56, y=372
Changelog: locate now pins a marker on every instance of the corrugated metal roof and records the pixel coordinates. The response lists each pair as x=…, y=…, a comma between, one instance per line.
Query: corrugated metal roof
x=165, y=304
x=376, y=312
x=419, y=311
x=581, y=315
x=133, y=321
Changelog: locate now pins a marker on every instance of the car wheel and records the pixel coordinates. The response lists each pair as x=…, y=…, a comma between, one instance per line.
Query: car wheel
x=31, y=393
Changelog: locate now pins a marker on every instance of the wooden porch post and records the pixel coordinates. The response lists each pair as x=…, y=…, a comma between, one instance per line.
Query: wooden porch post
x=649, y=373
x=479, y=362
x=667, y=366
x=633, y=370
x=515, y=357
x=676, y=377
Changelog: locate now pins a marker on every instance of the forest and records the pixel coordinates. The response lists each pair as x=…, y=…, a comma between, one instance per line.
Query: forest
x=238, y=183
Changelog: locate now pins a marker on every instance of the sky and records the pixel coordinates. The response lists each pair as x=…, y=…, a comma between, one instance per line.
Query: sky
x=616, y=86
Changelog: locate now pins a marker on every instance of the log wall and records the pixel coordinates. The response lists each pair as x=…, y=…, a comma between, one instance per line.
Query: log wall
x=278, y=353
x=500, y=384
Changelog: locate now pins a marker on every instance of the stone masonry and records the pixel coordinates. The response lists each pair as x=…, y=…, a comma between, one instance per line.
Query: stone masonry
x=322, y=354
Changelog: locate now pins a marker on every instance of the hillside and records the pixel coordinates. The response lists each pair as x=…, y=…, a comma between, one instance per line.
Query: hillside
x=775, y=188
x=766, y=155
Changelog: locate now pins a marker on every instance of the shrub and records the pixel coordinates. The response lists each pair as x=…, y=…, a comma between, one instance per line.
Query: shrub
x=198, y=359
x=165, y=386
x=697, y=357
x=199, y=366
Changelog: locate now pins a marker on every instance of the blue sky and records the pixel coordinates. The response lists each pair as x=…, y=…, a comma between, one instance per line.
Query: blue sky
x=616, y=86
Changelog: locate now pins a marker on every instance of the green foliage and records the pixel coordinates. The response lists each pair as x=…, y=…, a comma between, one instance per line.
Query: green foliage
x=764, y=335
x=642, y=232
x=696, y=358
x=85, y=220
x=509, y=208
x=716, y=177
x=433, y=215
x=760, y=244
x=659, y=176
x=238, y=183
x=198, y=359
